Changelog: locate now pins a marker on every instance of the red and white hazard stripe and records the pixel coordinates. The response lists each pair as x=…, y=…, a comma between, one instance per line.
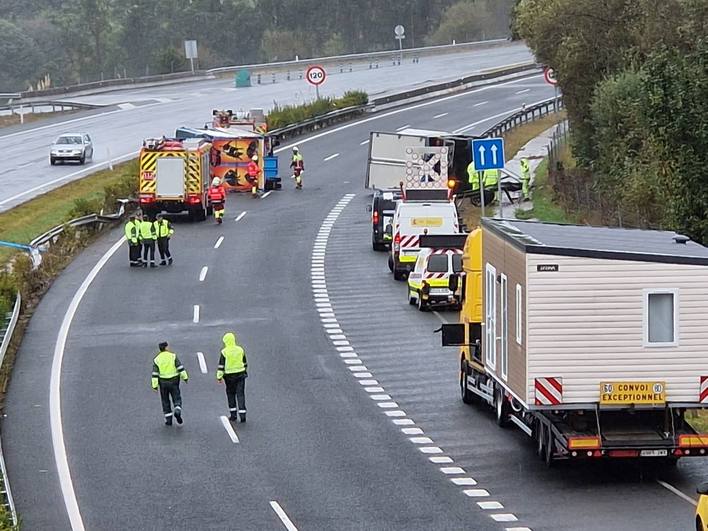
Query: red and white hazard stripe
x=703, y=394
x=434, y=276
x=548, y=391
x=410, y=241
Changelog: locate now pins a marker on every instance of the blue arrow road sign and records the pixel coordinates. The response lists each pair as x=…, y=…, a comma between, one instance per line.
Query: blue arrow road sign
x=488, y=153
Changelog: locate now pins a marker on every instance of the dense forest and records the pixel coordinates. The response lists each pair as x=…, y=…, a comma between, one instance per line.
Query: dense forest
x=70, y=41
x=634, y=76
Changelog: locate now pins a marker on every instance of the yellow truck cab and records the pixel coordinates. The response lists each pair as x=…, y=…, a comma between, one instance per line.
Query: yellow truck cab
x=429, y=283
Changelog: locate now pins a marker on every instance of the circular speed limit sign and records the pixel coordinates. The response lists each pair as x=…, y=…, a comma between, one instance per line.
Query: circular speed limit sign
x=315, y=75
x=550, y=76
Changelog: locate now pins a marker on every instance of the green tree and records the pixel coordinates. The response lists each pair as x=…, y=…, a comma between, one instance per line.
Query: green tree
x=18, y=58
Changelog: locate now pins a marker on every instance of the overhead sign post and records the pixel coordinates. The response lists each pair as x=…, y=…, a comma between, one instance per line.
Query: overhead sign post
x=316, y=75
x=488, y=154
x=190, y=52
x=550, y=76
x=400, y=33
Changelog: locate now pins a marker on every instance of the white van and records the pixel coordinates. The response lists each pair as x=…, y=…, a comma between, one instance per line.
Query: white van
x=410, y=221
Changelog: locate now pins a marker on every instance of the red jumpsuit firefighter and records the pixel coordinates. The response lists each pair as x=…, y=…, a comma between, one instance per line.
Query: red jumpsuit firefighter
x=252, y=173
x=217, y=199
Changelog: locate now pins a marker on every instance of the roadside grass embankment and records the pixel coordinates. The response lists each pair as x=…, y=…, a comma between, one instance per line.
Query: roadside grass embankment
x=14, y=119
x=514, y=140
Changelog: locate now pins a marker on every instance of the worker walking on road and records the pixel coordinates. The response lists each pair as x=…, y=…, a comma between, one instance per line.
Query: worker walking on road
x=298, y=165
x=164, y=230
x=233, y=370
x=525, y=178
x=167, y=371
x=132, y=234
x=217, y=199
x=253, y=170
x=148, y=237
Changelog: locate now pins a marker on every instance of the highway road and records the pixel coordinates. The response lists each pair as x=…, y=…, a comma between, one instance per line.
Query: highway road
x=137, y=113
x=352, y=426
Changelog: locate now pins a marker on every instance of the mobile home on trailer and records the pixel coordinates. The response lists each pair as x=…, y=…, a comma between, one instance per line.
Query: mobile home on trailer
x=592, y=340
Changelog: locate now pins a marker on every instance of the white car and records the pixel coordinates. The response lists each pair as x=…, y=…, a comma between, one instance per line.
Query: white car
x=71, y=146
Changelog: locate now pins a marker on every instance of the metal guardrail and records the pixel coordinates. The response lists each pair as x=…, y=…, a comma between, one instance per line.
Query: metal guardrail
x=30, y=107
x=529, y=114
x=6, y=493
x=348, y=113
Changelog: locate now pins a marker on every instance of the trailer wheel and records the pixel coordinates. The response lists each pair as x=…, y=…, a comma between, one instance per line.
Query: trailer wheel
x=467, y=395
x=548, y=447
x=501, y=409
x=540, y=440
x=699, y=524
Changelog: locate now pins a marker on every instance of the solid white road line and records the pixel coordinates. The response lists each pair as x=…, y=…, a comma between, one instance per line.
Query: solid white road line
x=229, y=429
x=203, y=273
x=440, y=115
x=479, y=104
x=523, y=91
x=195, y=316
x=333, y=156
x=60, y=457
x=45, y=184
x=202, y=362
x=498, y=115
x=283, y=517
x=677, y=492
x=364, y=142
x=403, y=127
x=266, y=194
x=240, y=216
x=439, y=316
x=219, y=242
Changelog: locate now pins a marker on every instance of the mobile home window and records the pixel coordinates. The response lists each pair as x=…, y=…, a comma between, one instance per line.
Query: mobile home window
x=519, y=307
x=504, y=346
x=661, y=317
x=490, y=324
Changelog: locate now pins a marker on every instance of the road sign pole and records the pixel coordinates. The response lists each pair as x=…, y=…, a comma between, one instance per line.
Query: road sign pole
x=317, y=91
x=481, y=191
x=555, y=98
x=499, y=195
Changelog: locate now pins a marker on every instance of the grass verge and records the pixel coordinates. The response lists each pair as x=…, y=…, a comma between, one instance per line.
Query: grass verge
x=26, y=221
x=544, y=208
x=514, y=140
x=14, y=119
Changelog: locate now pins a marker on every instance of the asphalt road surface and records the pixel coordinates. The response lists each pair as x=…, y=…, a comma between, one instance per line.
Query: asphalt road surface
x=324, y=446
x=137, y=113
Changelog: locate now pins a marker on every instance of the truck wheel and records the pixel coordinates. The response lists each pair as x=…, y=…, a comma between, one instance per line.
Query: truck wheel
x=200, y=214
x=540, y=439
x=467, y=395
x=390, y=263
x=501, y=409
x=411, y=299
x=548, y=447
x=398, y=275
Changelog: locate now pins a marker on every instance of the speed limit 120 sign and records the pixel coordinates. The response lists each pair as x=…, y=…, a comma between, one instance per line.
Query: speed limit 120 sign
x=550, y=76
x=315, y=75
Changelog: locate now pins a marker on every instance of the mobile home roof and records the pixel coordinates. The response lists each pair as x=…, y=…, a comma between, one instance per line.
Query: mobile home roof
x=599, y=242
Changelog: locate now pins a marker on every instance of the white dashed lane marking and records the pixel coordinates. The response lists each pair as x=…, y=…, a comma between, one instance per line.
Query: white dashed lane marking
x=480, y=104
x=202, y=362
x=403, y=127
x=363, y=143
x=334, y=330
x=229, y=429
x=203, y=273
x=266, y=194
x=219, y=242
x=195, y=314
x=440, y=115
x=332, y=156
x=240, y=216
x=283, y=516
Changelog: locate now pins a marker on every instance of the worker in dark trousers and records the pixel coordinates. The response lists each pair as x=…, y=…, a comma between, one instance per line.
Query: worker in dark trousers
x=148, y=237
x=164, y=230
x=132, y=234
x=232, y=369
x=167, y=371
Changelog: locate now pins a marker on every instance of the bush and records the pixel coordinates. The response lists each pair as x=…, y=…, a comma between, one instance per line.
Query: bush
x=84, y=207
x=292, y=114
x=7, y=294
x=126, y=188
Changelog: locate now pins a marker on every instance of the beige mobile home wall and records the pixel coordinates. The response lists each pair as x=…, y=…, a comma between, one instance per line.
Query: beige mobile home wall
x=511, y=261
x=586, y=325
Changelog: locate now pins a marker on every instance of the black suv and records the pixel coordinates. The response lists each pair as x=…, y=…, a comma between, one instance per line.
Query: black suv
x=382, y=208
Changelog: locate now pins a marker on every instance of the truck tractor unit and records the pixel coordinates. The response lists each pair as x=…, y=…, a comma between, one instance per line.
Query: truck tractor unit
x=174, y=177
x=591, y=340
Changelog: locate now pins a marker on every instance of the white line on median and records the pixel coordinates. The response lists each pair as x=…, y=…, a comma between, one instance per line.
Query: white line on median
x=441, y=115
x=403, y=127
x=219, y=242
x=283, y=517
x=65, y=482
x=677, y=492
x=229, y=429
x=480, y=104
x=203, y=273
x=333, y=156
x=266, y=194
x=523, y=91
x=195, y=317
x=202, y=362
x=363, y=143
x=240, y=216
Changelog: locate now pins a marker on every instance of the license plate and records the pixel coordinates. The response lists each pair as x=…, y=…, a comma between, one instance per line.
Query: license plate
x=626, y=393
x=438, y=291
x=653, y=453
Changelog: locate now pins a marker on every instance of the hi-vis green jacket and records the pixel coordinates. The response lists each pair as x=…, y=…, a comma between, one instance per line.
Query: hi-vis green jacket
x=166, y=366
x=233, y=358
